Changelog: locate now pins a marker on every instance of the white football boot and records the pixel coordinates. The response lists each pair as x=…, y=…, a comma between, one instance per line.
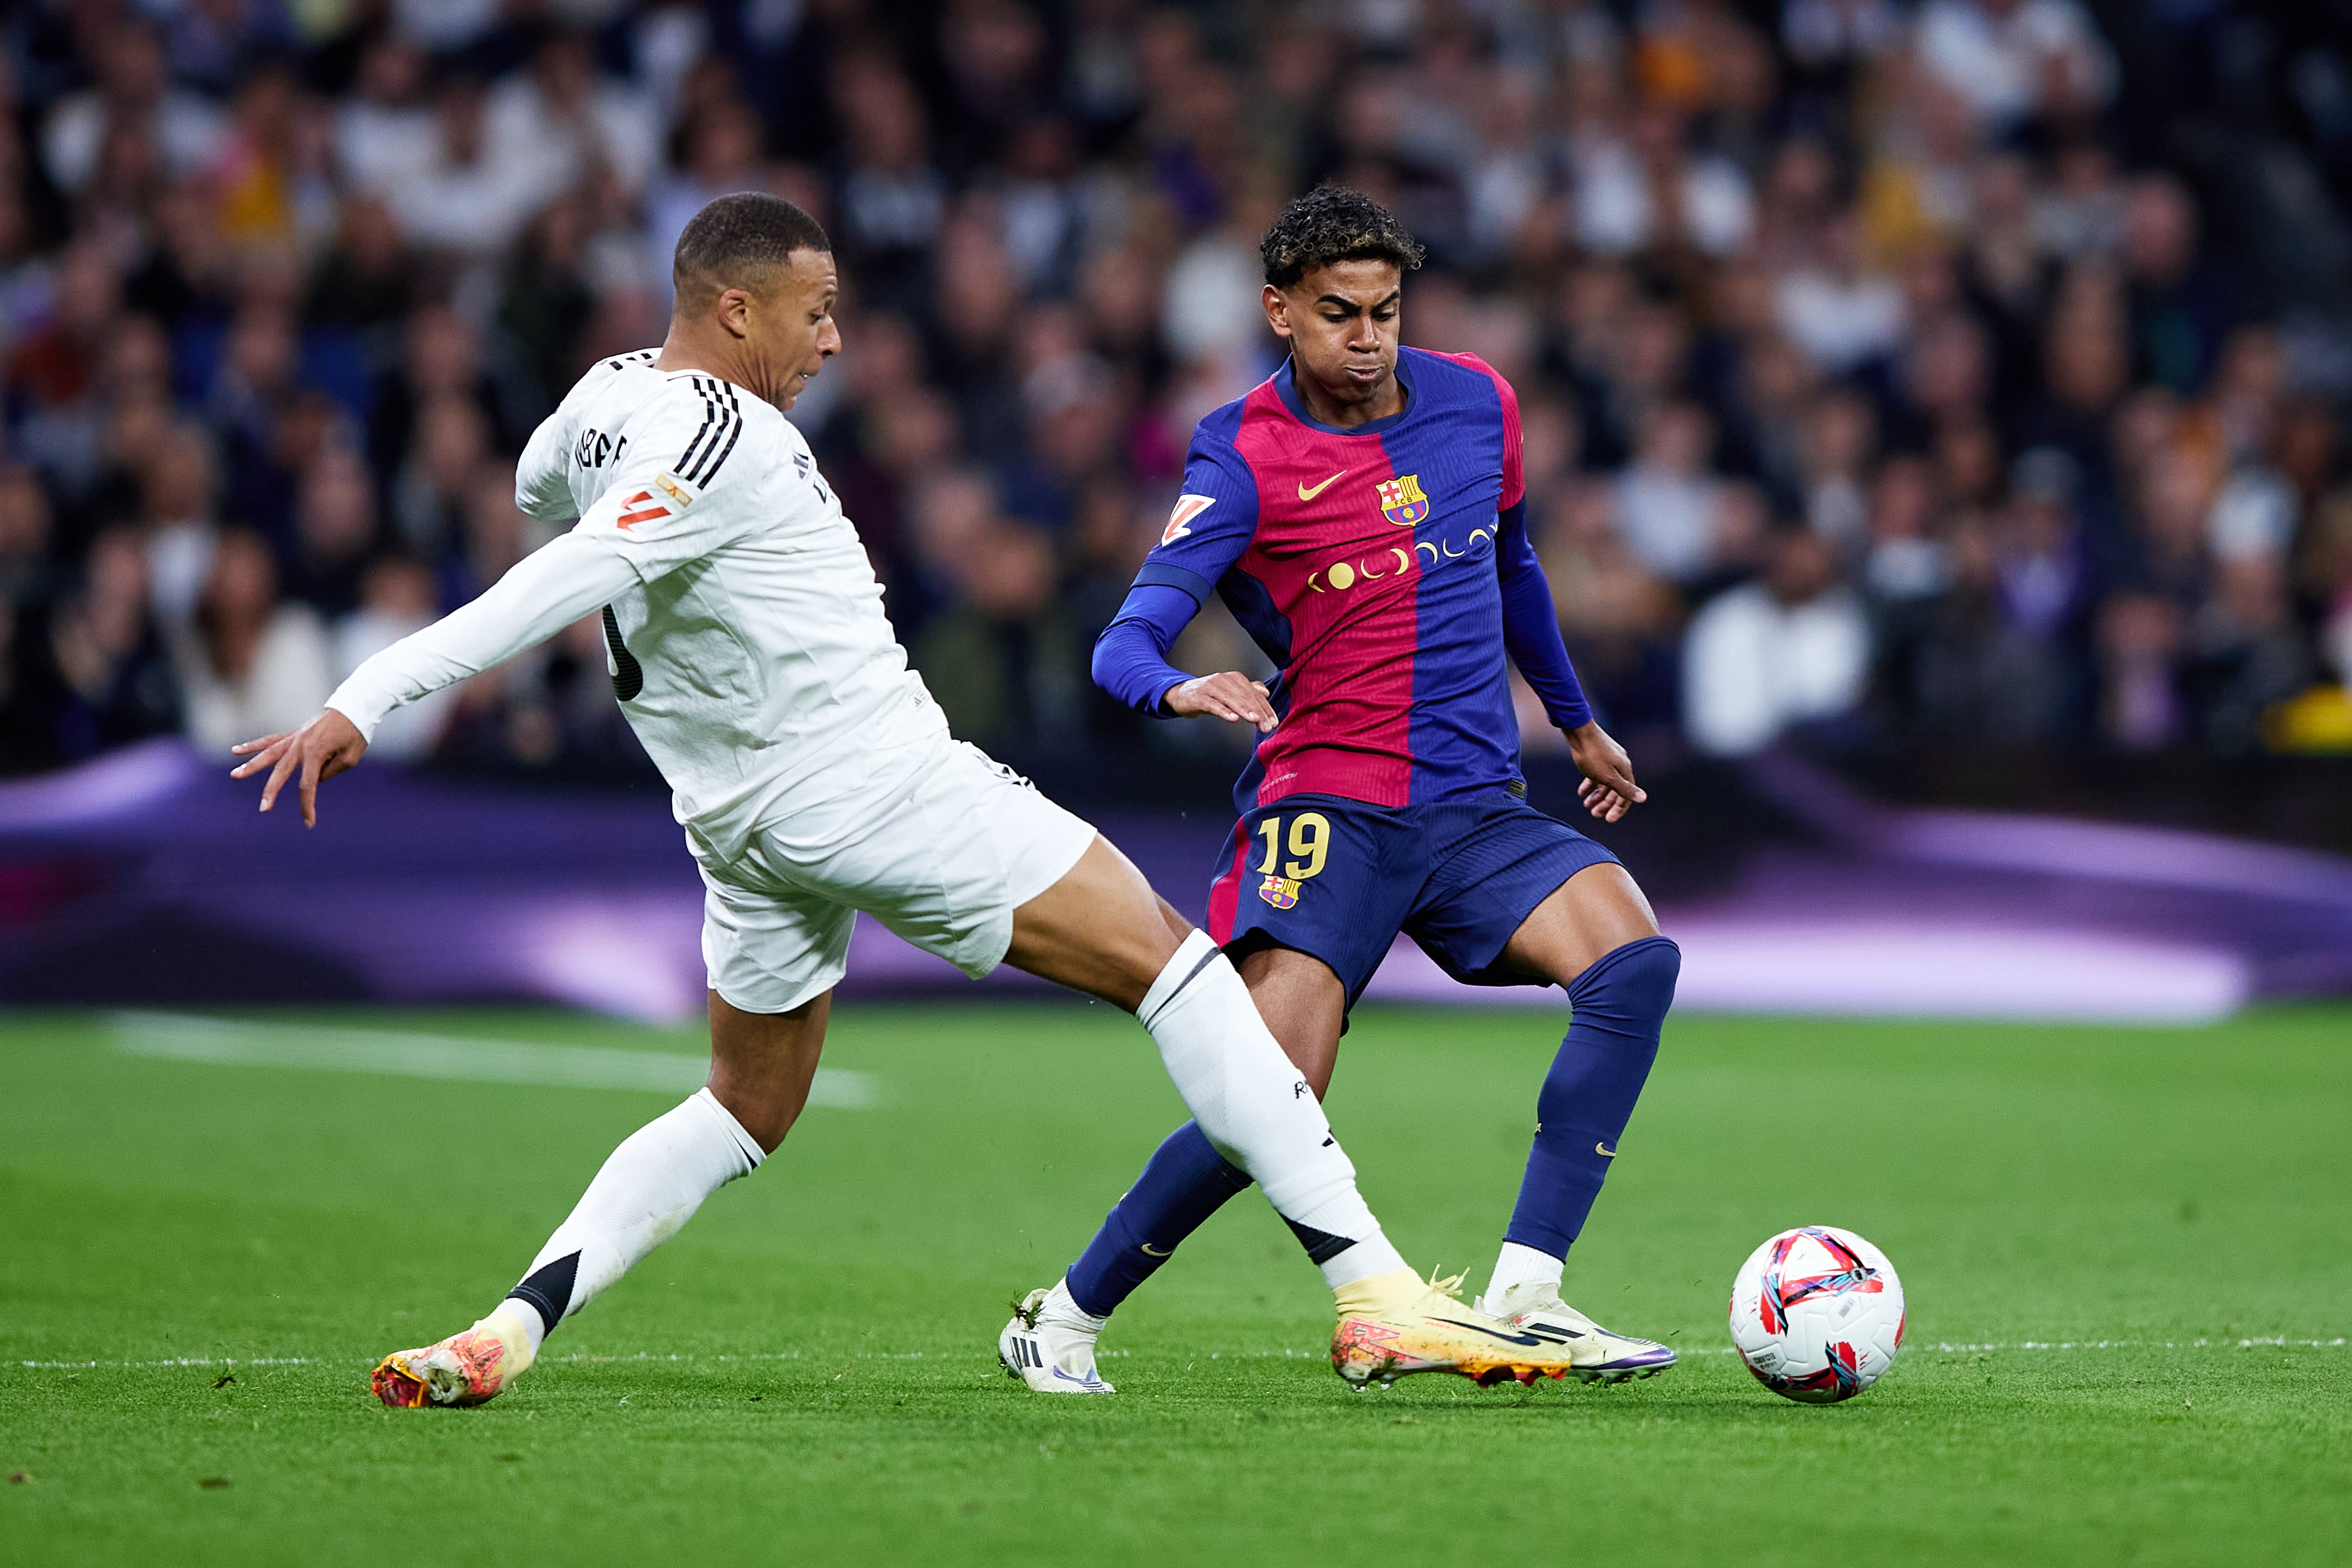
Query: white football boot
x=1049, y=1354
x=1600, y=1355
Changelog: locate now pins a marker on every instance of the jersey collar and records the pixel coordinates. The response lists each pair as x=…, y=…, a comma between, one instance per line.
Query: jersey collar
x=1289, y=395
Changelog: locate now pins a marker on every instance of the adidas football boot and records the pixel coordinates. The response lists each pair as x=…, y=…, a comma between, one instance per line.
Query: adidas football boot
x=1050, y=1357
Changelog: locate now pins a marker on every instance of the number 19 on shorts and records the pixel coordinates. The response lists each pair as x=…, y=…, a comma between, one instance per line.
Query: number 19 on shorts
x=1309, y=845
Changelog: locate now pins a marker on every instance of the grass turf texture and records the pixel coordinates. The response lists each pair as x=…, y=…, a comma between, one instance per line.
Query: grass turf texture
x=809, y=1369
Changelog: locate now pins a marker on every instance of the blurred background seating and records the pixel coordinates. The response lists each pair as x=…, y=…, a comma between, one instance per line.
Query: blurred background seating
x=1952, y=390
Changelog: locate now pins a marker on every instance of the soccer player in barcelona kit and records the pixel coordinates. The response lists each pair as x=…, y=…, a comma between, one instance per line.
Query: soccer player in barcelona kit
x=1363, y=515
x=815, y=778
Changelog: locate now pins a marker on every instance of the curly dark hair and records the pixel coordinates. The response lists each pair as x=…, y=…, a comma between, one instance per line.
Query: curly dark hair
x=736, y=237
x=1332, y=222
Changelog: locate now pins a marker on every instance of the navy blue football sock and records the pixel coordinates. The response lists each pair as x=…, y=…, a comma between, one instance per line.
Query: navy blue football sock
x=1185, y=1181
x=1620, y=1004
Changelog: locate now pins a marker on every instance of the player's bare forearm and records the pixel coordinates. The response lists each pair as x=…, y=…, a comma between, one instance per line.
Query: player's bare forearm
x=1607, y=789
x=1231, y=696
x=328, y=744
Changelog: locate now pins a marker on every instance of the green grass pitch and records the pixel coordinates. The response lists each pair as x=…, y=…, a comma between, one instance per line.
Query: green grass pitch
x=2126, y=1252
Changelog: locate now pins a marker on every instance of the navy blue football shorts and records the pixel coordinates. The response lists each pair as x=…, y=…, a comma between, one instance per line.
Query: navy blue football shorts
x=1338, y=879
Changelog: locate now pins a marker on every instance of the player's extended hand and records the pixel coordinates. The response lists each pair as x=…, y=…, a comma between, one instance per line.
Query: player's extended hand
x=1607, y=789
x=1231, y=696
x=329, y=744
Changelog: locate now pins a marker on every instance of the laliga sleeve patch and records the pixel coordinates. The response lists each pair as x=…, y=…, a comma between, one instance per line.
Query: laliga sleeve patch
x=639, y=508
x=669, y=486
x=1188, y=507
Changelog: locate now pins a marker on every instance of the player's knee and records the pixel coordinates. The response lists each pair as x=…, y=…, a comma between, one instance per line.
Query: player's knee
x=1636, y=980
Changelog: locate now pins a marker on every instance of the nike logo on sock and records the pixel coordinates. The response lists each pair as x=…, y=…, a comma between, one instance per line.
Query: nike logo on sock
x=1151, y=1251
x=1604, y=1151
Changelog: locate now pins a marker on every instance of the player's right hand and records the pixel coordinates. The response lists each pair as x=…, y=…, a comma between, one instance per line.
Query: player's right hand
x=1231, y=696
x=327, y=745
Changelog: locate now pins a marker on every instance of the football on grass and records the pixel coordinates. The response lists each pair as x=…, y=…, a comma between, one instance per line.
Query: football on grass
x=1817, y=1314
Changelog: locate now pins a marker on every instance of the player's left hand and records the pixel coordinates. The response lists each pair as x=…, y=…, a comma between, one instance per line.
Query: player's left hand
x=327, y=745
x=1607, y=789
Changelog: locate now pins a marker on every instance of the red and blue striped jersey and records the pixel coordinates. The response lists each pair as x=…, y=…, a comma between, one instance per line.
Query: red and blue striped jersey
x=1372, y=565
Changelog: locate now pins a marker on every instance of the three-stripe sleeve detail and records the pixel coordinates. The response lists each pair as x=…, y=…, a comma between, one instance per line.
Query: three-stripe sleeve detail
x=722, y=427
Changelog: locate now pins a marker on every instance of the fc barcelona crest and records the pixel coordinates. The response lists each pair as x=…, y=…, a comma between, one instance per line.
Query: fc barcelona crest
x=1280, y=892
x=1401, y=501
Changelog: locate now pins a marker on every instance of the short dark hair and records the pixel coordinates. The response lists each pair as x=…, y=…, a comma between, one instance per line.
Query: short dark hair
x=1332, y=222
x=736, y=237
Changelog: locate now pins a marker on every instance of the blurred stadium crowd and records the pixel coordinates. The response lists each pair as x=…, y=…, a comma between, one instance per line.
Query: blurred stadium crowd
x=1967, y=369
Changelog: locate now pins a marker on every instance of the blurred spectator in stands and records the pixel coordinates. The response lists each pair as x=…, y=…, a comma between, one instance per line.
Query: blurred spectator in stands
x=335, y=531
x=432, y=490
x=2139, y=649
x=1791, y=649
x=2245, y=654
x=547, y=301
x=366, y=280
x=720, y=139
x=135, y=96
x=1667, y=497
x=2014, y=59
x=2180, y=309
x=114, y=681
x=1841, y=314
x=570, y=119
x=891, y=200
x=1620, y=618
x=1835, y=444
x=26, y=527
x=25, y=275
x=1004, y=662
x=384, y=136
x=476, y=194
x=397, y=598
x=182, y=525
x=250, y=664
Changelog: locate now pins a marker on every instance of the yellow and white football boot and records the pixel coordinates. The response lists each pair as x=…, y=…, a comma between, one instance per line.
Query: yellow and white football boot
x=467, y=1368
x=1049, y=1355
x=1600, y=1356
x=1394, y=1325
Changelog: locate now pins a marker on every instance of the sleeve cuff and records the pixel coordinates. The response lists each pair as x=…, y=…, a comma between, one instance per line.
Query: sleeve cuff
x=1160, y=574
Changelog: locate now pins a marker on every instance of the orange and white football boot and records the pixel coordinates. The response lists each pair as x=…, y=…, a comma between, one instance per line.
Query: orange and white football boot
x=1397, y=1324
x=467, y=1368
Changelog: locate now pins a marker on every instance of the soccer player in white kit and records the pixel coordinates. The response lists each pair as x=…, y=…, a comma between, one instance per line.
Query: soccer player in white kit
x=815, y=778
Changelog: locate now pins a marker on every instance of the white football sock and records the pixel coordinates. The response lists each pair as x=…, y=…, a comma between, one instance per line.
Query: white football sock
x=647, y=1189
x=1257, y=1112
x=1523, y=1275
x=1062, y=1308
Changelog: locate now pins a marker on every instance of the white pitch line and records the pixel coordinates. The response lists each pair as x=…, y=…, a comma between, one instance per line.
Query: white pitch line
x=589, y=1358
x=238, y=1042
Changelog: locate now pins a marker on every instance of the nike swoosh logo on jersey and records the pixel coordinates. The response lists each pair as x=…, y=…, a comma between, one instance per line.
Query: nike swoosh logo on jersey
x=1306, y=494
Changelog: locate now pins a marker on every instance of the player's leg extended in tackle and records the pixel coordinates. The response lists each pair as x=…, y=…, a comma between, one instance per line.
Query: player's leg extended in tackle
x=1593, y=934
x=1098, y=928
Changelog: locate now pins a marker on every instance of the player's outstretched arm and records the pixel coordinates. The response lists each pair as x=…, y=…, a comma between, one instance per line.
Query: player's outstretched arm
x=1607, y=789
x=540, y=595
x=328, y=744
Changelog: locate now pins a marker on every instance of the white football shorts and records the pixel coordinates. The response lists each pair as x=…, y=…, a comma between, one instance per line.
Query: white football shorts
x=943, y=861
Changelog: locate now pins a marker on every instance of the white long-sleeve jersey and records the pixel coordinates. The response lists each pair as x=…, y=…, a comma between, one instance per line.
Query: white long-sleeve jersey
x=743, y=624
